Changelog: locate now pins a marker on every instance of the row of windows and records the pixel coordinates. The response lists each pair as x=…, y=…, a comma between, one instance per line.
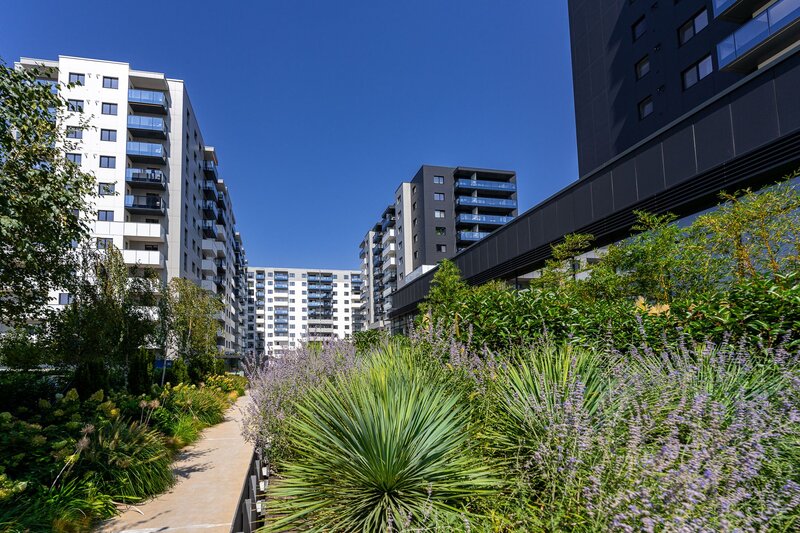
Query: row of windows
x=689, y=78
x=75, y=132
x=77, y=106
x=689, y=29
x=106, y=161
x=80, y=79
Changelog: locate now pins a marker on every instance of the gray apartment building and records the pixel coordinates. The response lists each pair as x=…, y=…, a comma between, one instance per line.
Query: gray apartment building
x=675, y=101
x=440, y=212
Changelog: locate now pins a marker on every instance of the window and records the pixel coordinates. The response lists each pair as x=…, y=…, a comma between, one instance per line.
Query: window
x=642, y=67
x=104, y=243
x=74, y=132
x=107, y=161
x=697, y=72
x=80, y=79
x=105, y=189
x=436, y=179
x=108, y=135
x=638, y=28
x=441, y=231
x=75, y=105
x=109, y=109
x=441, y=248
x=110, y=83
x=693, y=26
x=439, y=196
x=64, y=298
x=75, y=158
x=439, y=213
x=645, y=107
x=105, y=216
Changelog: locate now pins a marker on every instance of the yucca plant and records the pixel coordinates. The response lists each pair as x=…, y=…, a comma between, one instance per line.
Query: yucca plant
x=386, y=447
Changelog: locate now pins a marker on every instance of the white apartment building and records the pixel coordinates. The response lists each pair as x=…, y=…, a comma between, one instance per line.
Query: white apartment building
x=162, y=202
x=290, y=306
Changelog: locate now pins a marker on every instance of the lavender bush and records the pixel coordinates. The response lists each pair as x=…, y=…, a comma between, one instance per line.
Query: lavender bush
x=700, y=439
x=277, y=384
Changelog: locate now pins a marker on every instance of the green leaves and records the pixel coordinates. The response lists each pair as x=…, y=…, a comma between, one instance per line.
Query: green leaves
x=389, y=444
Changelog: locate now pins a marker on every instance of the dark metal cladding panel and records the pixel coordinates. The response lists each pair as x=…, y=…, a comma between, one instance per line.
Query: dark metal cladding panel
x=787, y=84
x=550, y=229
x=713, y=137
x=680, y=162
x=650, y=171
x=582, y=205
x=755, y=115
x=564, y=210
x=602, y=195
x=623, y=176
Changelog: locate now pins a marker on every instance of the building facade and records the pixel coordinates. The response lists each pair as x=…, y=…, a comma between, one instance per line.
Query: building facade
x=161, y=200
x=674, y=102
x=440, y=212
x=290, y=306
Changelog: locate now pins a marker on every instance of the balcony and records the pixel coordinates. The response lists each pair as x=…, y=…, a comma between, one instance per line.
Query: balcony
x=144, y=101
x=209, y=229
x=210, y=169
x=736, y=10
x=210, y=211
x=147, y=152
x=477, y=201
x=387, y=222
x=215, y=248
x=761, y=37
x=144, y=205
x=222, y=266
x=151, y=127
x=281, y=277
x=317, y=287
x=389, y=250
x=145, y=258
x=472, y=235
x=281, y=320
x=489, y=220
x=208, y=267
x=209, y=285
x=329, y=279
x=141, y=231
x=282, y=312
x=281, y=286
x=318, y=295
x=320, y=304
x=485, y=185
x=145, y=178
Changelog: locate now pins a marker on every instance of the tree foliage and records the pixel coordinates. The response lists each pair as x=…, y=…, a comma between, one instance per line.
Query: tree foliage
x=40, y=193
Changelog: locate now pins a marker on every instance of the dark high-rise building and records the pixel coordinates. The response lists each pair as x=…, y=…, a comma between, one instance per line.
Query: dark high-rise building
x=675, y=101
x=638, y=65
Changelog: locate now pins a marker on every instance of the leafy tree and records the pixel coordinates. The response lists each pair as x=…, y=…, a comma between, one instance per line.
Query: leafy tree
x=194, y=326
x=99, y=335
x=444, y=303
x=40, y=193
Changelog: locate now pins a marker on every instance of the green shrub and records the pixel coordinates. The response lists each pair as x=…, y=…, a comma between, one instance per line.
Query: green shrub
x=389, y=443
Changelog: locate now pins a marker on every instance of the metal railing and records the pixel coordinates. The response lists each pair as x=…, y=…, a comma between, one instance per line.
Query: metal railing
x=251, y=512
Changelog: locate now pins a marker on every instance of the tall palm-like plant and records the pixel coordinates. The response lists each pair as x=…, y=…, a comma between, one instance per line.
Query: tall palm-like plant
x=388, y=447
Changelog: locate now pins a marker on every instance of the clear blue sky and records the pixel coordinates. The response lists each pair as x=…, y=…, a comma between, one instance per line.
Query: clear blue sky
x=319, y=109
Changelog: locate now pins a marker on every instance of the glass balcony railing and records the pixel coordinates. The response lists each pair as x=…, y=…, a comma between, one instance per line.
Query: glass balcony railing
x=486, y=202
x=144, y=176
x=142, y=149
x=320, y=287
x=281, y=320
x=144, y=202
x=472, y=235
x=486, y=185
x=319, y=294
x=147, y=123
x=210, y=168
x=281, y=311
x=281, y=277
x=757, y=30
x=320, y=278
x=483, y=219
x=141, y=96
x=282, y=286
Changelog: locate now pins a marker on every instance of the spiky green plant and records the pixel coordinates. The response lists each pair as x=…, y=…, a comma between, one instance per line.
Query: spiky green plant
x=386, y=447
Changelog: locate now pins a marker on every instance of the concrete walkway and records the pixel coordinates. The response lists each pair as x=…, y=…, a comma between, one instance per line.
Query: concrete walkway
x=210, y=476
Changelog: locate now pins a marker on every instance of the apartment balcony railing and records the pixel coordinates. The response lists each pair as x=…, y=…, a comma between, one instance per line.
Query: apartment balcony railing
x=320, y=304
x=281, y=277
x=145, y=258
x=318, y=287
x=389, y=250
x=494, y=220
x=145, y=178
x=214, y=248
x=281, y=286
x=209, y=189
x=486, y=185
x=145, y=205
x=209, y=229
x=279, y=311
x=140, y=231
x=281, y=331
x=147, y=101
x=320, y=278
x=154, y=127
x=316, y=295
x=386, y=222
x=210, y=168
x=761, y=37
x=208, y=267
x=210, y=210
x=281, y=320
x=472, y=235
x=737, y=10
x=146, y=152
x=478, y=201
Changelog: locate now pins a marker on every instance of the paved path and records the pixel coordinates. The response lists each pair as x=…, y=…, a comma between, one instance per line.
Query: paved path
x=210, y=476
